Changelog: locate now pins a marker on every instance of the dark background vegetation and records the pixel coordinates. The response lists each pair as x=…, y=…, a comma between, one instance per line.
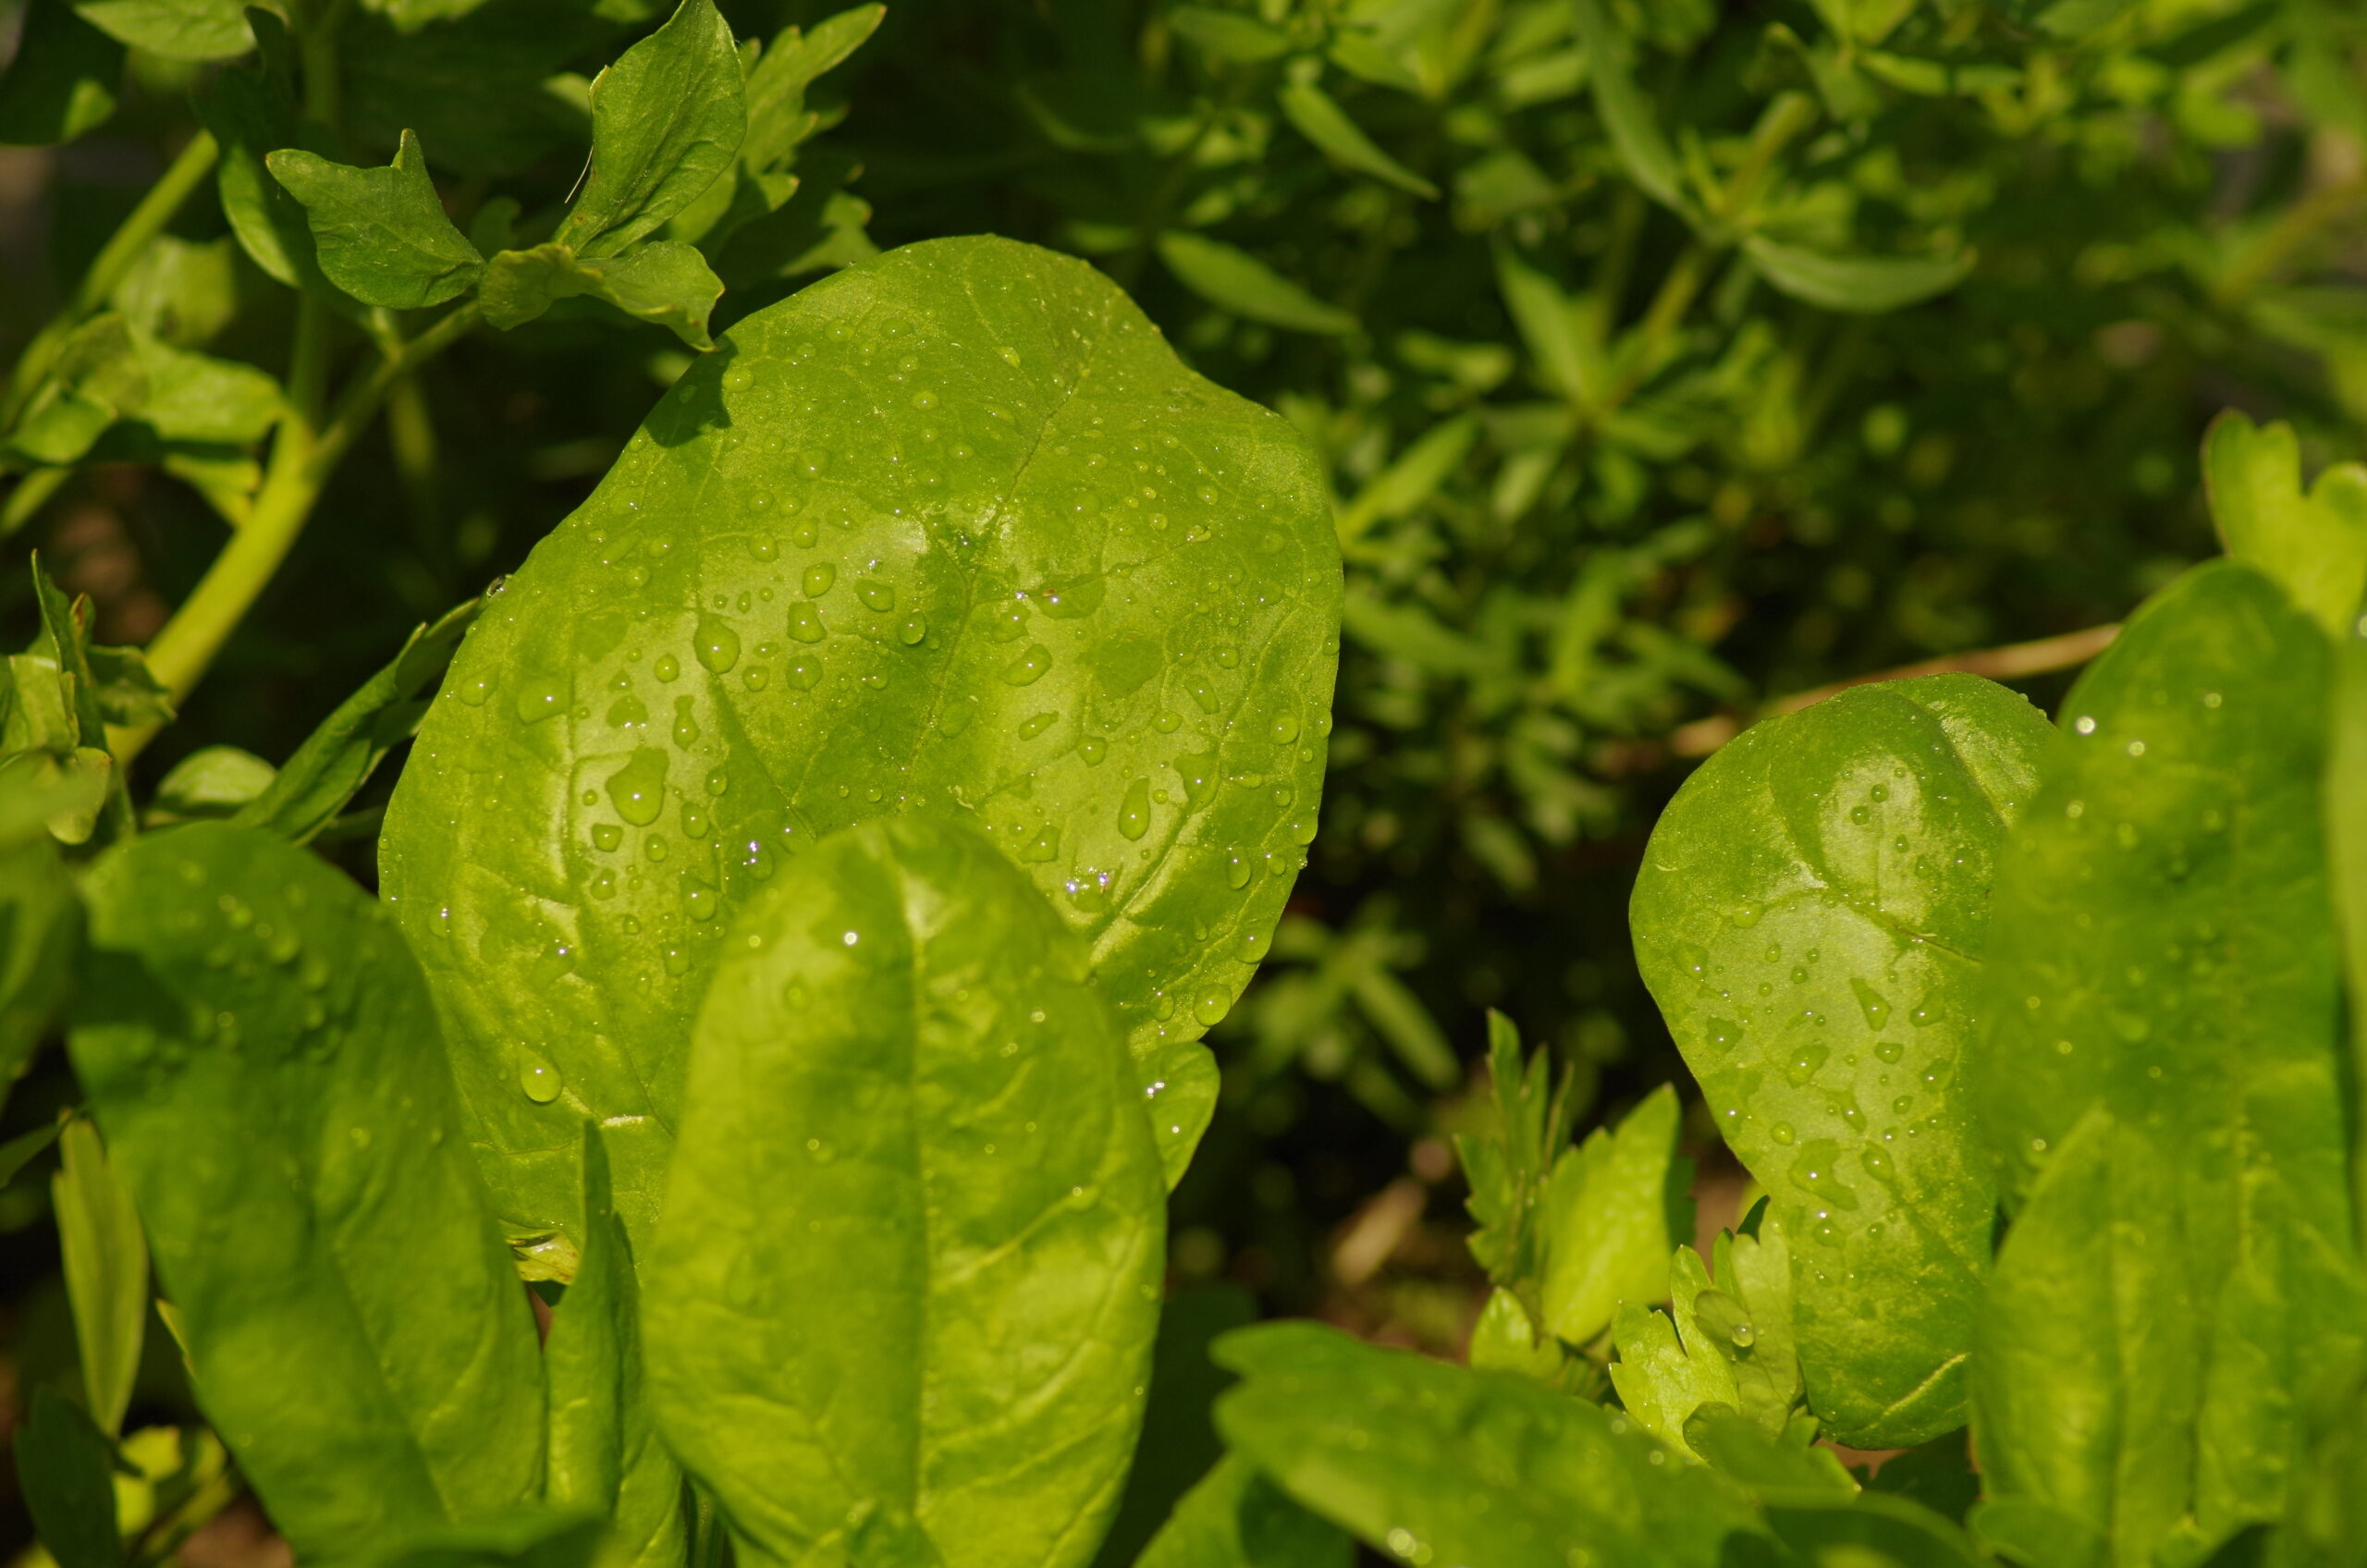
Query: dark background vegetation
x=1605, y=488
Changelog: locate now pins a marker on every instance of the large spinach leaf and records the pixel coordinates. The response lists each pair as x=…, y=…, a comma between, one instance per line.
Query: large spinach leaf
x=261, y=1054
x=2161, y=946
x=1810, y=918
x=1443, y=1464
x=912, y=1246
x=951, y=529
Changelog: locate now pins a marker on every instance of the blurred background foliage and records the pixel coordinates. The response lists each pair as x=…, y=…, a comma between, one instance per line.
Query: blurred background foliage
x=1665, y=357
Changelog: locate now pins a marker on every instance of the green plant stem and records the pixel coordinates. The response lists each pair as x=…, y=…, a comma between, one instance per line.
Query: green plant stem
x=31, y=493
x=164, y=198
x=302, y=462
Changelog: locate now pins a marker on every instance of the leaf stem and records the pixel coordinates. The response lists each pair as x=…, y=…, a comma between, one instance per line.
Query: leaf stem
x=175, y=186
x=28, y=497
x=301, y=465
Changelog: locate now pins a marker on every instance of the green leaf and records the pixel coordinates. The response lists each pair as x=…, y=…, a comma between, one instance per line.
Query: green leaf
x=63, y=80
x=1228, y=35
x=914, y=1230
x=667, y=119
x=604, y=1455
x=946, y=629
x=1726, y=1340
x=105, y=1263
x=777, y=117
x=2161, y=950
x=1557, y=330
x=480, y=87
x=178, y=30
x=1236, y=1518
x=65, y=1468
x=1873, y=1531
x=1179, y=1444
x=211, y=782
x=21, y=1150
x=1834, y=280
x=665, y=281
x=1234, y=280
x=97, y=378
x=1323, y=122
x=182, y=292
x=1411, y=478
x=1508, y=1165
x=1627, y=113
x=1810, y=918
x=2086, y=1388
x=260, y=1053
x=338, y=759
x=1441, y=1463
x=250, y=110
x=1614, y=1207
x=523, y=1537
x=380, y=234
x=1506, y=1339
x=2312, y=543
x=40, y=922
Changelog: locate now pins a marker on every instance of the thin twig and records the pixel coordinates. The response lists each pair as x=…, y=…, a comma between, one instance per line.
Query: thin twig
x=2012, y=662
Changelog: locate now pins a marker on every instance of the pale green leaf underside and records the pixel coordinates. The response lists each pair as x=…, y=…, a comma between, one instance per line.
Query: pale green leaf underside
x=262, y=1058
x=950, y=530
x=912, y=1249
x=1809, y=918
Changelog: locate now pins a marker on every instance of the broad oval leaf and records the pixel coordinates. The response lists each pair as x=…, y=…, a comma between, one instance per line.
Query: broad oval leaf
x=1810, y=918
x=262, y=1057
x=1443, y=1464
x=912, y=1246
x=2163, y=950
x=949, y=529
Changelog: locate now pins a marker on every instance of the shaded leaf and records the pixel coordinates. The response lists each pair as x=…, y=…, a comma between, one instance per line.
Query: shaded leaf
x=664, y=281
x=1856, y=284
x=1234, y=280
x=1236, y=1518
x=62, y=80
x=1323, y=122
x=1470, y=1467
x=178, y=30
x=338, y=759
x=65, y=1468
x=259, y=1050
x=105, y=1258
x=2312, y=543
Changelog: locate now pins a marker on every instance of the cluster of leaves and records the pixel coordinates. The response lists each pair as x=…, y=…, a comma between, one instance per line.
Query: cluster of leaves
x=1661, y=356
x=879, y=950
x=2118, y=950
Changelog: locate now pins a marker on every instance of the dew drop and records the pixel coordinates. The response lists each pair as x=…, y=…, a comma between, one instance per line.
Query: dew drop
x=715, y=644
x=638, y=788
x=1133, y=813
x=1029, y=667
x=818, y=578
x=1210, y=1006
x=913, y=629
x=537, y=1077
x=876, y=595
x=541, y=696
x=668, y=666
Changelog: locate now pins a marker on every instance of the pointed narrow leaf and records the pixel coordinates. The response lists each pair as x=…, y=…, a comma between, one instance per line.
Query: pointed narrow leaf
x=1463, y=1467
x=1627, y=113
x=976, y=598
x=105, y=1263
x=1234, y=280
x=913, y=1233
x=260, y=1051
x=338, y=759
x=2161, y=949
x=667, y=119
x=1323, y=122
x=604, y=1455
x=1810, y=918
x=65, y=1470
x=380, y=234
x=1833, y=280
x=1236, y=1518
